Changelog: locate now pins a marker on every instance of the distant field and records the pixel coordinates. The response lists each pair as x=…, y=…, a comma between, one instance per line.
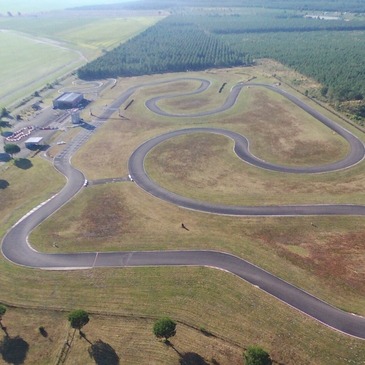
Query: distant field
x=28, y=64
x=106, y=33
x=37, y=50
x=46, y=5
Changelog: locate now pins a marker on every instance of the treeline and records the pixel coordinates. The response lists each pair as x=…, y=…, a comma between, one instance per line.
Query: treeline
x=169, y=46
x=357, y=6
x=265, y=22
x=335, y=59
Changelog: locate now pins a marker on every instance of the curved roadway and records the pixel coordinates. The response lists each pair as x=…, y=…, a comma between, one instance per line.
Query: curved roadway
x=15, y=246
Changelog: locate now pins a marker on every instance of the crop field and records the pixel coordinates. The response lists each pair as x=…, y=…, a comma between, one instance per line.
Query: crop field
x=38, y=50
x=326, y=259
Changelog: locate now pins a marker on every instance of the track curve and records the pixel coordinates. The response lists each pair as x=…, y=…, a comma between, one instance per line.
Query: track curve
x=15, y=246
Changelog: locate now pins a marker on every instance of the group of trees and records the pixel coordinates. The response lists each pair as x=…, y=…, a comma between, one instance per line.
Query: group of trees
x=271, y=21
x=331, y=52
x=166, y=328
x=324, y=5
x=335, y=59
x=171, y=45
x=163, y=328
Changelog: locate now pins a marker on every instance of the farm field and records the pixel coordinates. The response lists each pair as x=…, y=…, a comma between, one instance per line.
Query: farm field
x=55, y=44
x=325, y=259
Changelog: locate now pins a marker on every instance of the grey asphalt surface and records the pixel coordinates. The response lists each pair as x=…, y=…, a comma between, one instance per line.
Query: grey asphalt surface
x=15, y=245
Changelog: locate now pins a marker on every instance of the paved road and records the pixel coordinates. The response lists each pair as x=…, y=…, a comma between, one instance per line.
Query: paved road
x=15, y=246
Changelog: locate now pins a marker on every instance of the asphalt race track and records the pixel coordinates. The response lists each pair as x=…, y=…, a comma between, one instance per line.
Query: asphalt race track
x=15, y=246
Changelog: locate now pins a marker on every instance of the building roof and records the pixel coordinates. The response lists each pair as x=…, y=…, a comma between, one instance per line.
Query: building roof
x=33, y=140
x=69, y=97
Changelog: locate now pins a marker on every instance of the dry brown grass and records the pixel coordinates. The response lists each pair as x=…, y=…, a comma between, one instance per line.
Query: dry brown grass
x=277, y=130
x=204, y=166
x=238, y=314
x=19, y=198
x=281, y=133
x=127, y=338
x=288, y=75
x=142, y=222
x=291, y=248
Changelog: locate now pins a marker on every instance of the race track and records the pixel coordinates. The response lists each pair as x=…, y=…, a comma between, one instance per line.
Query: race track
x=15, y=246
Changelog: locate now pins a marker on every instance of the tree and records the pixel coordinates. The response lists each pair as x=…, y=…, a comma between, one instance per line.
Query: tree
x=78, y=318
x=11, y=149
x=4, y=112
x=255, y=355
x=164, y=327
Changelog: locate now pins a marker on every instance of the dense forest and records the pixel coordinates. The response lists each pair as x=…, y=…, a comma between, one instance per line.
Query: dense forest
x=320, y=5
x=168, y=46
x=330, y=51
x=335, y=60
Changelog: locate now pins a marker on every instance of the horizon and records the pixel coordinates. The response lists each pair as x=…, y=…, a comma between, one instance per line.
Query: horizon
x=36, y=6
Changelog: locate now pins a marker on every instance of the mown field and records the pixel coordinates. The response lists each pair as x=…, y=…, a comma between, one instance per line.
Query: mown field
x=29, y=63
x=38, y=50
x=326, y=259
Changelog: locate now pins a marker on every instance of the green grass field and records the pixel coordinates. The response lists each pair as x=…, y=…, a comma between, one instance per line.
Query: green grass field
x=25, y=6
x=28, y=64
x=38, y=50
x=326, y=260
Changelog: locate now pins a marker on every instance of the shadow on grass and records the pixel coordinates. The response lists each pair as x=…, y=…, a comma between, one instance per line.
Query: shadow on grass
x=103, y=353
x=3, y=184
x=43, y=332
x=5, y=124
x=5, y=157
x=23, y=163
x=206, y=332
x=87, y=126
x=38, y=148
x=187, y=358
x=14, y=350
x=192, y=358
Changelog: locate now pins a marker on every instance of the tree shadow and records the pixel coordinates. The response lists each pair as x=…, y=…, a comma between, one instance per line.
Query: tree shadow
x=5, y=124
x=4, y=328
x=5, y=157
x=3, y=184
x=14, y=350
x=103, y=353
x=206, y=332
x=192, y=358
x=43, y=331
x=38, y=147
x=23, y=163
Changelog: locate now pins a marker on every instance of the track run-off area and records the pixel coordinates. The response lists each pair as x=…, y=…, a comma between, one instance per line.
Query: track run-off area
x=17, y=249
